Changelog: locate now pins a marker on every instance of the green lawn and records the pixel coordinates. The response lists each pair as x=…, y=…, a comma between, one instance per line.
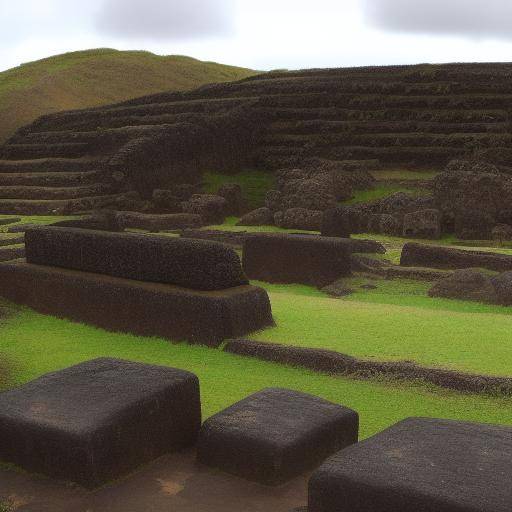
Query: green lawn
x=398, y=321
x=380, y=191
x=34, y=344
x=255, y=184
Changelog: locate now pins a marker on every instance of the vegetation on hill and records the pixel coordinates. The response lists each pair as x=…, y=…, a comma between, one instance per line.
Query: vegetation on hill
x=95, y=77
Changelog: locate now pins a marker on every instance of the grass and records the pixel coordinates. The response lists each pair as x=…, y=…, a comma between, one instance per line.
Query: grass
x=226, y=378
x=255, y=184
x=395, y=322
x=32, y=219
x=97, y=77
x=381, y=191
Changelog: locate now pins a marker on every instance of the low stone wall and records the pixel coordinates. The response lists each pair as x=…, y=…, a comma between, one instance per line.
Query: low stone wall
x=141, y=308
x=193, y=264
x=280, y=258
x=419, y=255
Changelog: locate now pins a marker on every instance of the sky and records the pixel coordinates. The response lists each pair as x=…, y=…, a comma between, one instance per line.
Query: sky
x=263, y=34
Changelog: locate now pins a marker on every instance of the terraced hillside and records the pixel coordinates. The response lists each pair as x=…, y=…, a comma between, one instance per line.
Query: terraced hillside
x=414, y=116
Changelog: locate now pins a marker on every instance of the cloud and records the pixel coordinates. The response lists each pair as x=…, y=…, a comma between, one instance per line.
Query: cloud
x=165, y=19
x=490, y=19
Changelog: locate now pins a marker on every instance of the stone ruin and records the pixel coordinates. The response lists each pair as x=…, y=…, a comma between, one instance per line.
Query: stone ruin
x=149, y=285
x=121, y=414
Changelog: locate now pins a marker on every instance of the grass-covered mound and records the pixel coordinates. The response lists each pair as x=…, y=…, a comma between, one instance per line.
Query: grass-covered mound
x=227, y=378
x=97, y=77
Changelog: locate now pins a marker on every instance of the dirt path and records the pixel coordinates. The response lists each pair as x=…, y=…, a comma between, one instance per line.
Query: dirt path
x=172, y=483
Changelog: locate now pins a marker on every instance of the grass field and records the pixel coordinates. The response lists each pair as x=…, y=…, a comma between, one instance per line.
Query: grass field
x=96, y=77
x=34, y=344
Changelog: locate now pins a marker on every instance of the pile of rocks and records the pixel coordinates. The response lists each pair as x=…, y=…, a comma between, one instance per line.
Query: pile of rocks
x=302, y=195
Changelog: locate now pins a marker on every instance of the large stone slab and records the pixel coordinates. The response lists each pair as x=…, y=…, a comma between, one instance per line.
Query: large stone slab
x=195, y=264
x=146, y=309
x=96, y=421
x=422, y=255
x=419, y=465
x=282, y=258
x=275, y=435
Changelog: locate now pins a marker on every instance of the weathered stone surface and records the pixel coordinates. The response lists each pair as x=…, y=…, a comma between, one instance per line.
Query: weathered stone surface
x=100, y=221
x=422, y=224
x=211, y=208
x=195, y=264
x=465, y=284
x=384, y=224
x=502, y=284
x=235, y=203
x=159, y=222
x=275, y=435
x=502, y=233
x=11, y=253
x=341, y=222
x=308, y=259
x=422, y=255
x=97, y=421
x=299, y=218
x=473, y=225
x=260, y=217
x=166, y=201
x=142, y=308
x=423, y=465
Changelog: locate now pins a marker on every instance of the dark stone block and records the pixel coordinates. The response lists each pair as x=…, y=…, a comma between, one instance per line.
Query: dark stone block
x=275, y=435
x=281, y=258
x=96, y=421
x=420, y=465
x=419, y=255
x=194, y=264
x=159, y=222
x=146, y=309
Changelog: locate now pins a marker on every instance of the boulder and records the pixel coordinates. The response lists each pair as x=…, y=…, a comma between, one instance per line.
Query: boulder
x=299, y=218
x=273, y=200
x=341, y=221
x=235, y=203
x=467, y=284
x=473, y=225
x=310, y=194
x=502, y=233
x=422, y=224
x=419, y=464
x=275, y=435
x=259, y=217
x=166, y=201
x=385, y=224
x=97, y=421
x=158, y=222
x=211, y=208
x=502, y=284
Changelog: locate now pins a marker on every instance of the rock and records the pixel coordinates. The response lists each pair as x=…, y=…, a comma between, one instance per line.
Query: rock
x=259, y=217
x=166, y=201
x=422, y=224
x=384, y=224
x=502, y=284
x=426, y=465
x=423, y=255
x=99, y=420
x=340, y=221
x=21, y=228
x=400, y=203
x=306, y=259
x=275, y=435
x=310, y=194
x=473, y=225
x=232, y=193
x=502, y=233
x=338, y=288
x=465, y=284
x=211, y=208
x=154, y=223
x=273, y=200
x=106, y=220
x=299, y=218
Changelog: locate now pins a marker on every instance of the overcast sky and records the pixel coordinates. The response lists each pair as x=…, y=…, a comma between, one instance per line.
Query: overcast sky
x=263, y=34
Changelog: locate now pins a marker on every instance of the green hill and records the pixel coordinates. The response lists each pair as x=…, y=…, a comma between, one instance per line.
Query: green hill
x=95, y=77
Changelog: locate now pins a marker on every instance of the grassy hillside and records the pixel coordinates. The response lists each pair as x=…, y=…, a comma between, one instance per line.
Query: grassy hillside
x=95, y=77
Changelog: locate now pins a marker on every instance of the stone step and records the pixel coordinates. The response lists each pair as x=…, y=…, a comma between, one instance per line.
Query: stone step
x=54, y=193
x=10, y=252
x=30, y=151
x=50, y=179
x=49, y=165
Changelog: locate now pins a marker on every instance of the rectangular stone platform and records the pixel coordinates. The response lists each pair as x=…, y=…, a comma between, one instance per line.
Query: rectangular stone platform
x=275, y=435
x=283, y=258
x=419, y=465
x=99, y=420
x=146, y=309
